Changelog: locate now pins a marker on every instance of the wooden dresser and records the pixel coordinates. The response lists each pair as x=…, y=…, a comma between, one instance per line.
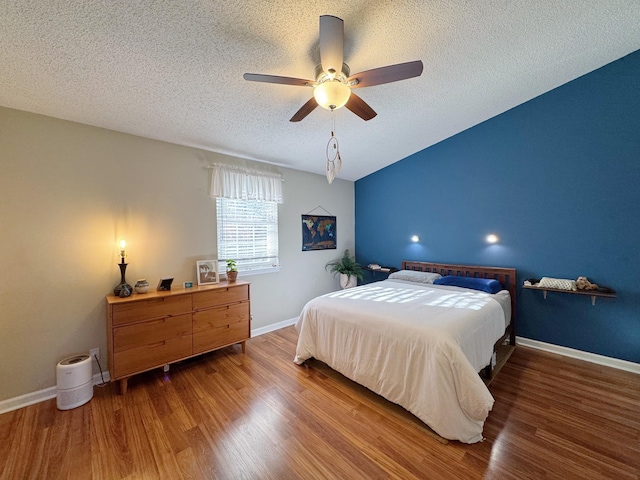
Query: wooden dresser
x=151, y=330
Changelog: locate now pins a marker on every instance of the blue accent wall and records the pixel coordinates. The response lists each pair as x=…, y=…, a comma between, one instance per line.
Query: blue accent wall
x=557, y=179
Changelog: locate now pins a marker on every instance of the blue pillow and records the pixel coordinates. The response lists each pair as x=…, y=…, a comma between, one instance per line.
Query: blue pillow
x=482, y=284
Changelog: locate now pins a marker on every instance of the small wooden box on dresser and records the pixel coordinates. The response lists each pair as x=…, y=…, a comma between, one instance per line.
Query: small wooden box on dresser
x=150, y=330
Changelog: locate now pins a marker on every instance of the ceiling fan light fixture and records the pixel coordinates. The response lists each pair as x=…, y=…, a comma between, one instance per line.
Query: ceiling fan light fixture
x=331, y=94
x=333, y=79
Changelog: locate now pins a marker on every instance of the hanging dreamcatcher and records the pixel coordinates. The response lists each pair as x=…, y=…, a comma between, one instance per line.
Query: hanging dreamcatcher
x=334, y=162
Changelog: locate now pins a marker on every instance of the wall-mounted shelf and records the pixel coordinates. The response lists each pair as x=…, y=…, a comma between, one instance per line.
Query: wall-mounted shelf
x=592, y=293
x=382, y=272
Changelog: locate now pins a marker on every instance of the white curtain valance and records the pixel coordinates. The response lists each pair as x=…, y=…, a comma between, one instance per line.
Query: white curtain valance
x=239, y=183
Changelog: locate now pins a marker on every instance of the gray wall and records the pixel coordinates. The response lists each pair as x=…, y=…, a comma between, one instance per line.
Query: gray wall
x=71, y=191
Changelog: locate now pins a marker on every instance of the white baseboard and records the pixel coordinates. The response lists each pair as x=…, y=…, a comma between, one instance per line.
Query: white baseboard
x=580, y=355
x=39, y=396
x=273, y=327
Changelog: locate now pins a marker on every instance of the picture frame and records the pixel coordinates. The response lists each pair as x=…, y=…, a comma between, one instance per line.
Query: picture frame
x=164, y=285
x=318, y=232
x=207, y=271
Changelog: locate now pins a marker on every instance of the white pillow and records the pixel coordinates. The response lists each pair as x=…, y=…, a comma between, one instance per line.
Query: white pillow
x=559, y=283
x=413, y=276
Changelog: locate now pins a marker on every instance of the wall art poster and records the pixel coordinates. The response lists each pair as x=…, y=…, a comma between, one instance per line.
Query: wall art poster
x=207, y=272
x=318, y=232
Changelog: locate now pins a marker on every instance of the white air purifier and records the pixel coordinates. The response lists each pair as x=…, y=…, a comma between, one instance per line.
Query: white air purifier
x=74, y=381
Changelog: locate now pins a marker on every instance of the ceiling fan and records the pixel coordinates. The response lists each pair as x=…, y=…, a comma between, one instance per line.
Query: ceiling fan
x=333, y=80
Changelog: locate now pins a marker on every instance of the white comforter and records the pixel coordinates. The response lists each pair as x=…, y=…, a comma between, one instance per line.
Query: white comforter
x=419, y=346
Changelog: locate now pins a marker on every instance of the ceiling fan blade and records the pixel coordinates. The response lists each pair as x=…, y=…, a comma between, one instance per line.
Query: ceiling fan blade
x=391, y=73
x=360, y=107
x=305, y=110
x=258, y=77
x=331, y=43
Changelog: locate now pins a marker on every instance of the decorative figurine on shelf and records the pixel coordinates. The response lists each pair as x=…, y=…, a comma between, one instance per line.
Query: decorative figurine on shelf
x=232, y=271
x=123, y=289
x=582, y=283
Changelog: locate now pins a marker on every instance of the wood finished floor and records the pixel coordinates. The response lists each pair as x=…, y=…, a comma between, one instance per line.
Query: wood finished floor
x=226, y=415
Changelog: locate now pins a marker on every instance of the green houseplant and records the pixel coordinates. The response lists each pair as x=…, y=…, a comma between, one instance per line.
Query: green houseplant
x=232, y=270
x=349, y=270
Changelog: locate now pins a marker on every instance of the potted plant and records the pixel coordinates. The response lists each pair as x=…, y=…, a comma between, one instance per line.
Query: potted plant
x=349, y=270
x=232, y=270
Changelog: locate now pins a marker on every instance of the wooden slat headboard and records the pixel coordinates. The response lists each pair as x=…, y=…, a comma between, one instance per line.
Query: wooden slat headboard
x=506, y=276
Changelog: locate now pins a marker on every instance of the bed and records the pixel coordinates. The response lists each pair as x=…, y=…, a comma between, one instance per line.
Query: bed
x=417, y=344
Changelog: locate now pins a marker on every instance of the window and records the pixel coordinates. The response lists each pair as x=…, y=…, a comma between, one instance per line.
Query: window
x=247, y=208
x=248, y=233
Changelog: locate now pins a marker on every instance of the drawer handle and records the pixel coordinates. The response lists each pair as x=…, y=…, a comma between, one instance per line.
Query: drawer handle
x=155, y=300
x=156, y=345
x=156, y=322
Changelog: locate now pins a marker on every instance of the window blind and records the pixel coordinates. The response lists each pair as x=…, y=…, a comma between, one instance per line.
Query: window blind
x=247, y=233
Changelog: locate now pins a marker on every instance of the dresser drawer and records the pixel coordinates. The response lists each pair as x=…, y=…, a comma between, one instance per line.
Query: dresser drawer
x=220, y=316
x=212, y=338
x=138, y=359
x=156, y=307
x=220, y=296
x=150, y=332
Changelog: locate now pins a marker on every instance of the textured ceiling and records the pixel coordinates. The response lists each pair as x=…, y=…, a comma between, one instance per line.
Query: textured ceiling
x=173, y=70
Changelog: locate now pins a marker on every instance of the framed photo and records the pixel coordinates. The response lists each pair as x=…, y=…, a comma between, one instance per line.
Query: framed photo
x=318, y=232
x=164, y=284
x=207, y=272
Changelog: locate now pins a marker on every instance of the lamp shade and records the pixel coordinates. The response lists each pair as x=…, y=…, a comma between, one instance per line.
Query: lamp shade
x=331, y=94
